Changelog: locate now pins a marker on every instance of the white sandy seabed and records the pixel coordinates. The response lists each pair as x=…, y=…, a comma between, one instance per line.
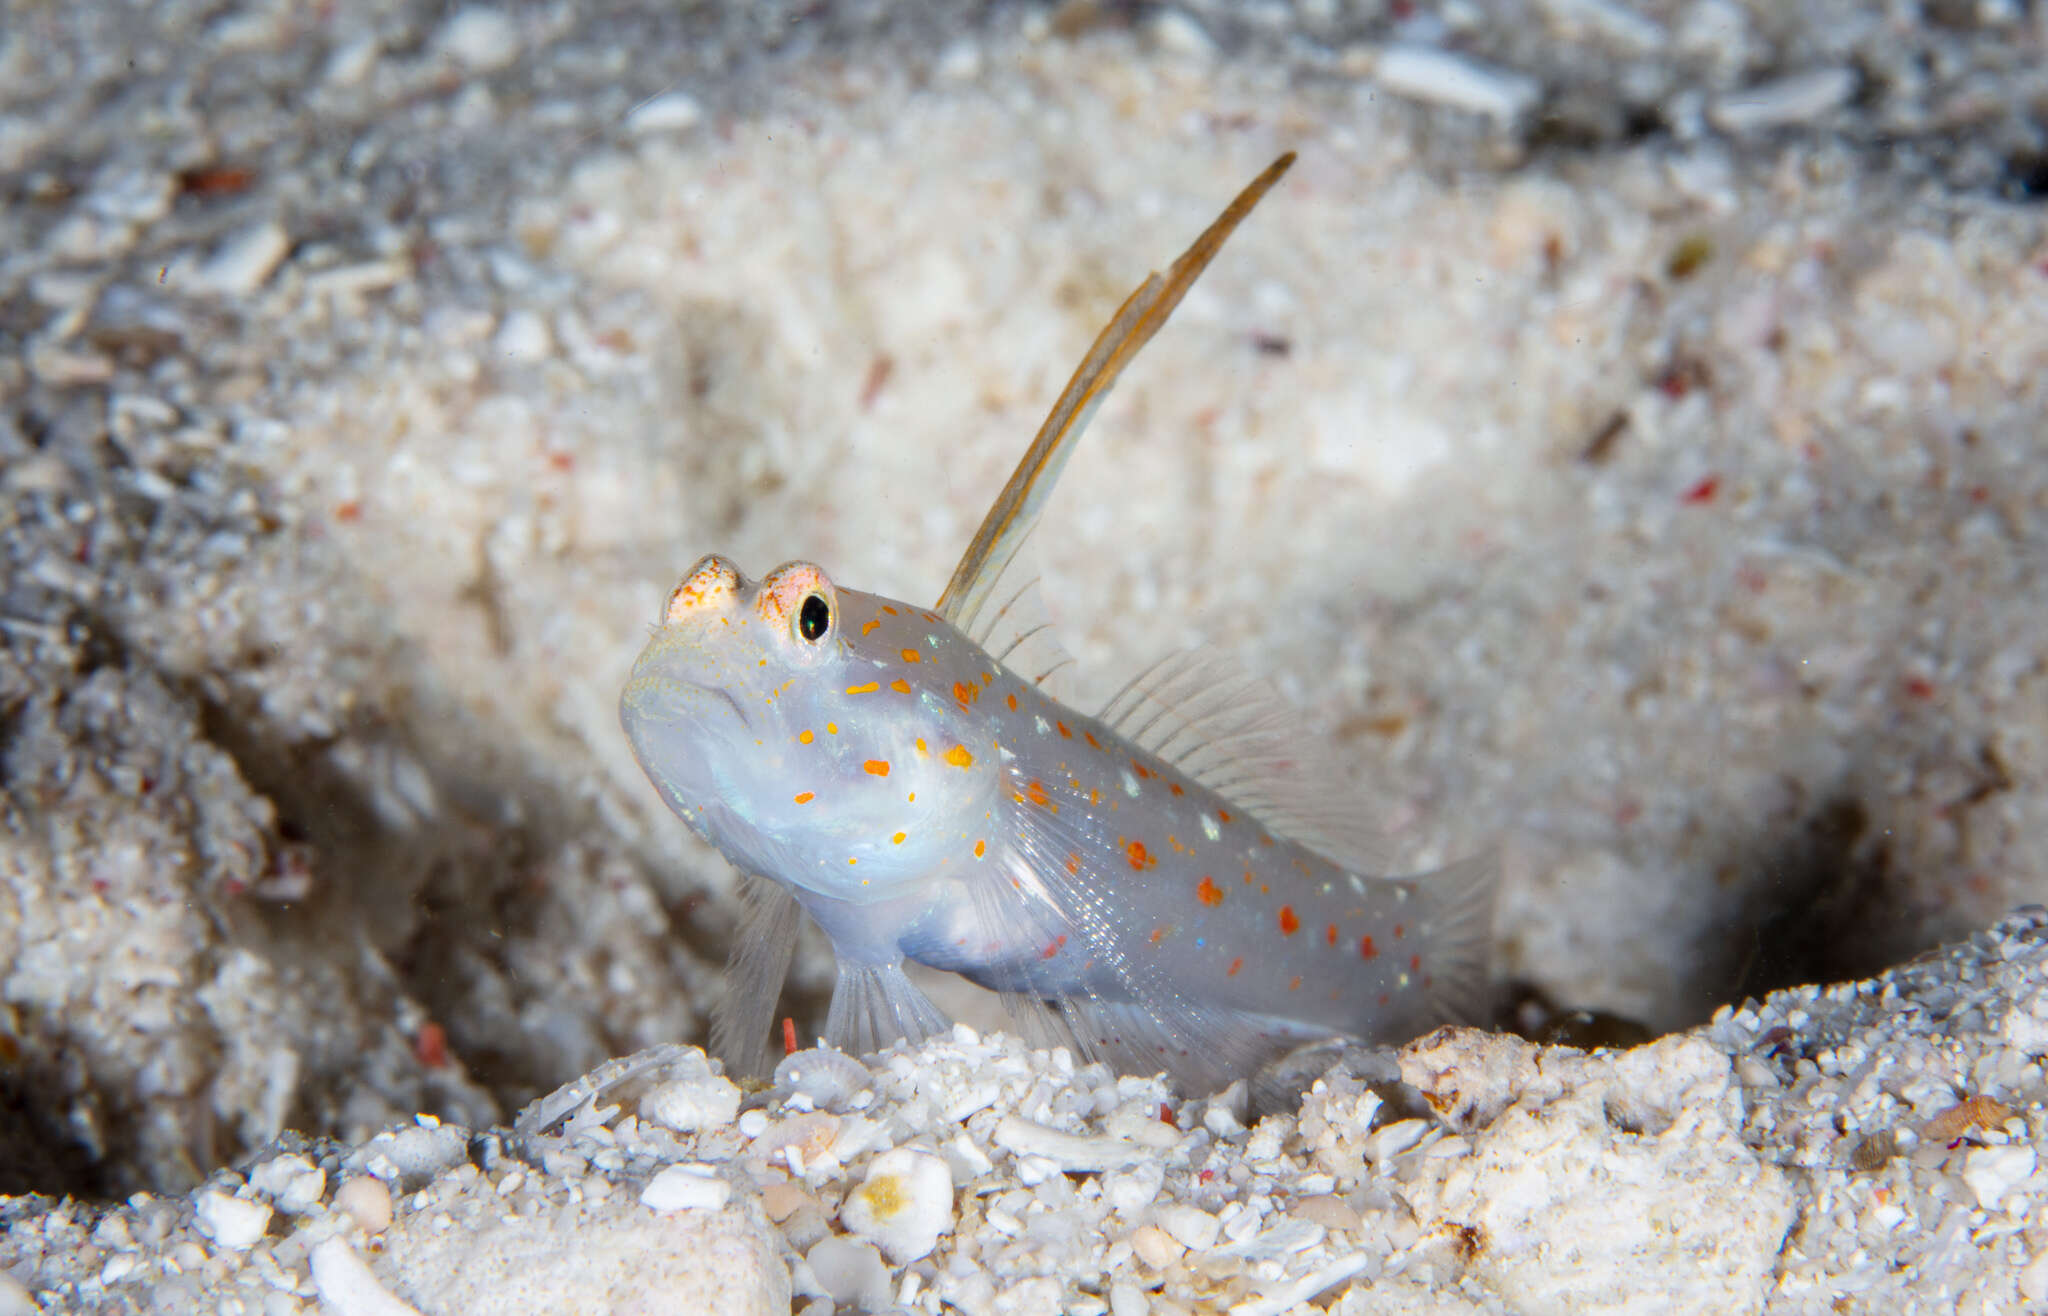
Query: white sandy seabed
x=1621, y=434
x=1827, y=1150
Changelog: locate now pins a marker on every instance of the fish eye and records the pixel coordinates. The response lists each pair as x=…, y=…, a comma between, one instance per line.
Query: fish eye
x=814, y=618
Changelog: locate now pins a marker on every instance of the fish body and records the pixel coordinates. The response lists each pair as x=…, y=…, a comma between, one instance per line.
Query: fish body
x=1163, y=883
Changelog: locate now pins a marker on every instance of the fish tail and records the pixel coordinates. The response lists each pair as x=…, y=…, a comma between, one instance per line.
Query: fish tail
x=1458, y=928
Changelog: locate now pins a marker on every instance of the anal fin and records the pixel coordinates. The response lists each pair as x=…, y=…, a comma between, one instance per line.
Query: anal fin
x=1204, y=1048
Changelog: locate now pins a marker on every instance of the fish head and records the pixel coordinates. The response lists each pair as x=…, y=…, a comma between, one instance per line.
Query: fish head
x=813, y=734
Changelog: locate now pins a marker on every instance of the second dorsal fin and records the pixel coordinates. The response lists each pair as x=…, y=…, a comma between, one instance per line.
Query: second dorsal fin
x=1233, y=732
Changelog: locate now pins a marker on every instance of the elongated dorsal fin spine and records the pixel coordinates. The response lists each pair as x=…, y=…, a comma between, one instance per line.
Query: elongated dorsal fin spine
x=1010, y=520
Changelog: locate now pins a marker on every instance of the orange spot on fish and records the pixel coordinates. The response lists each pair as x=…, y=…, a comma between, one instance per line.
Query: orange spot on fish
x=1414, y=964
x=965, y=693
x=1294, y=983
x=1011, y=700
x=1140, y=769
x=1174, y=786
x=804, y=797
x=1247, y=877
x=1330, y=934
x=886, y=608
x=1208, y=892
x=1289, y=924
x=1174, y=841
x=1036, y=793
x=1235, y=965
x=867, y=689
x=1094, y=796
x=804, y=737
x=1139, y=857
x=1159, y=934
x=1053, y=947
x=900, y=686
x=1073, y=862
x=980, y=849
x=876, y=767
x=910, y=655
x=920, y=744
x=1063, y=730
x=1400, y=930
x=1089, y=736
x=897, y=839
x=959, y=757
x=1223, y=815
x=867, y=626
x=1366, y=949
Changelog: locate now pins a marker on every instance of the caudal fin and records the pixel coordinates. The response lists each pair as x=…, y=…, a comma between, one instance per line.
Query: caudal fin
x=1459, y=928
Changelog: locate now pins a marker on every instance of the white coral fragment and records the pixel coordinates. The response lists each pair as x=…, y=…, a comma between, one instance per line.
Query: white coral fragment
x=904, y=1205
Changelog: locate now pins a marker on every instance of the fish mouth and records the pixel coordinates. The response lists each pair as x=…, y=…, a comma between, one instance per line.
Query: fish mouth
x=732, y=703
x=642, y=688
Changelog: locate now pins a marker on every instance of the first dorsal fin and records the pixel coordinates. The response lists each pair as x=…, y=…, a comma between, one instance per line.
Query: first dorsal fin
x=993, y=595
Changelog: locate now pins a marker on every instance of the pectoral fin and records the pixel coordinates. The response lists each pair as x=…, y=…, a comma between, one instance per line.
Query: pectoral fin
x=754, y=973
